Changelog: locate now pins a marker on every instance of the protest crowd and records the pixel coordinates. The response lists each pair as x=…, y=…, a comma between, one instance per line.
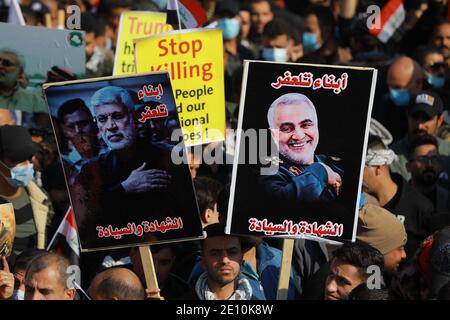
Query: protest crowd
x=403, y=223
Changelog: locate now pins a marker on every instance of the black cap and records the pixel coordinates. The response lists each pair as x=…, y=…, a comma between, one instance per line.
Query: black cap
x=230, y=7
x=15, y=143
x=215, y=230
x=429, y=102
x=440, y=260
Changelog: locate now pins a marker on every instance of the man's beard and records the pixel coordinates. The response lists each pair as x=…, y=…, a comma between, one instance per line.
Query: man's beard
x=426, y=178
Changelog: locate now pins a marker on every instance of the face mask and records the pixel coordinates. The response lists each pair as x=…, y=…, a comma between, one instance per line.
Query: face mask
x=436, y=81
x=20, y=176
x=18, y=295
x=400, y=97
x=161, y=4
x=275, y=54
x=310, y=42
x=230, y=28
x=108, y=44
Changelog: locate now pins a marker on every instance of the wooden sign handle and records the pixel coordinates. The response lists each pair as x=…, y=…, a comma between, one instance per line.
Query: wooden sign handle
x=149, y=269
x=285, y=270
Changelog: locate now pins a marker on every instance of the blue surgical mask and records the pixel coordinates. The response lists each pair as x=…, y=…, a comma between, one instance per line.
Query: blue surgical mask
x=275, y=54
x=400, y=97
x=230, y=28
x=18, y=295
x=310, y=42
x=21, y=176
x=436, y=81
x=161, y=4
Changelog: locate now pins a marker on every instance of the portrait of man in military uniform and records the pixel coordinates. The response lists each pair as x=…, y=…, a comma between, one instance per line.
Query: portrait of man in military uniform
x=303, y=176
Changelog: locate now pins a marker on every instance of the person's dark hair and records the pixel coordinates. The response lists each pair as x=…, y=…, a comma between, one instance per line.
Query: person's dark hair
x=222, y=203
x=422, y=51
x=376, y=143
x=44, y=261
x=270, y=2
x=275, y=28
x=111, y=286
x=71, y=106
x=360, y=255
x=91, y=23
x=326, y=21
x=207, y=190
x=420, y=140
x=362, y=292
x=158, y=247
x=440, y=22
x=24, y=259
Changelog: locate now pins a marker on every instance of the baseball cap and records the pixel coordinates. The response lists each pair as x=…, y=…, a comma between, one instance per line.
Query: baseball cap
x=440, y=260
x=16, y=143
x=429, y=102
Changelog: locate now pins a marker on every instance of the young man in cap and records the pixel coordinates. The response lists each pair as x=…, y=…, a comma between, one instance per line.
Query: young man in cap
x=383, y=231
x=31, y=205
x=394, y=194
x=424, y=117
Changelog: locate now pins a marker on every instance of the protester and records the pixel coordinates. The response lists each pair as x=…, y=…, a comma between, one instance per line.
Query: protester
x=32, y=207
x=349, y=269
x=47, y=278
x=394, y=194
x=116, y=284
x=12, y=95
x=222, y=257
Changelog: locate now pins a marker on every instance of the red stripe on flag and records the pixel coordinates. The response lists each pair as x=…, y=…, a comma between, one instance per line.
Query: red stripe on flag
x=70, y=218
x=196, y=10
x=387, y=11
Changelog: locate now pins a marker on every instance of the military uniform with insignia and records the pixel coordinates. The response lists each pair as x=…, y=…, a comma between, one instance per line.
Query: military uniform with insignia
x=302, y=183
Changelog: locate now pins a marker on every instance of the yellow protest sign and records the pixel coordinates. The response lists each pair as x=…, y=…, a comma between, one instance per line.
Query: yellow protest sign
x=133, y=25
x=194, y=59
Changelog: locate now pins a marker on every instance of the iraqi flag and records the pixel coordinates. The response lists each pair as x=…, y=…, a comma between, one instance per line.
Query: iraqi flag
x=186, y=14
x=15, y=15
x=65, y=241
x=392, y=17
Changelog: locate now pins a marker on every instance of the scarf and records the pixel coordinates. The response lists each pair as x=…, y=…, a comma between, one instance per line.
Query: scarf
x=242, y=292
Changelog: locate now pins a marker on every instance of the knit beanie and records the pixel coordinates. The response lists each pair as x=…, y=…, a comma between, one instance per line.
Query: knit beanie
x=380, y=229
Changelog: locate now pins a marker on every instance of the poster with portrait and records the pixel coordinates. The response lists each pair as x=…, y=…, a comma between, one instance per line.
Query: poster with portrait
x=7, y=229
x=300, y=145
x=34, y=55
x=131, y=184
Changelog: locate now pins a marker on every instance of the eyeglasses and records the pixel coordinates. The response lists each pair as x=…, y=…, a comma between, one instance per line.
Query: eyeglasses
x=438, y=66
x=6, y=63
x=426, y=159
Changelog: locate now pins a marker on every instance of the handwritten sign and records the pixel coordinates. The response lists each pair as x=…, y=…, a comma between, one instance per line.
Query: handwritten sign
x=195, y=61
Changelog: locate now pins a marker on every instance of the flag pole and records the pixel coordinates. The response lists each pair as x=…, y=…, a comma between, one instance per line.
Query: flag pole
x=62, y=221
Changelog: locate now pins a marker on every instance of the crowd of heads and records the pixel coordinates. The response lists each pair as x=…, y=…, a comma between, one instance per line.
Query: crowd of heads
x=402, y=226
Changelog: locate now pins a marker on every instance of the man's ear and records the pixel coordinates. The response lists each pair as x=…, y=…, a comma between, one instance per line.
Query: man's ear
x=440, y=120
x=70, y=293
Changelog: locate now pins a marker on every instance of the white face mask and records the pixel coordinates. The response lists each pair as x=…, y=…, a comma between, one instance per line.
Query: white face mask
x=275, y=54
x=18, y=295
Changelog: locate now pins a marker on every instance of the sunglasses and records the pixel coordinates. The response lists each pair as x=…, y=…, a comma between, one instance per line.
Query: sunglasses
x=438, y=66
x=6, y=62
